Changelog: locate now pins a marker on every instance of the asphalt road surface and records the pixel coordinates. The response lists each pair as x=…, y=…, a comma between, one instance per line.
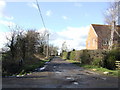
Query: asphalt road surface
x=61, y=74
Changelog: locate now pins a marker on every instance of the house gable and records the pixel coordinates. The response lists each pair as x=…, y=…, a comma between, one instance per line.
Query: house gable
x=91, y=42
x=93, y=30
x=101, y=34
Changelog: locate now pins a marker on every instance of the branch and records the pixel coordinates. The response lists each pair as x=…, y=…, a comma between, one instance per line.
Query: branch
x=117, y=33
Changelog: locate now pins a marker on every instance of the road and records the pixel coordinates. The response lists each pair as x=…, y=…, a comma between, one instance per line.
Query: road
x=61, y=74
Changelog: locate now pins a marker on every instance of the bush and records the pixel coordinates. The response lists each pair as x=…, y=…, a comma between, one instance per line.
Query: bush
x=85, y=57
x=72, y=55
x=111, y=57
x=99, y=58
x=29, y=68
x=77, y=56
x=64, y=55
x=10, y=67
x=68, y=55
x=97, y=62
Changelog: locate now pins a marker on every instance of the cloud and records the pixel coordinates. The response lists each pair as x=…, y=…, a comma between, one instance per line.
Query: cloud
x=7, y=23
x=75, y=37
x=2, y=6
x=33, y=5
x=3, y=38
x=48, y=13
x=9, y=17
x=2, y=15
x=65, y=17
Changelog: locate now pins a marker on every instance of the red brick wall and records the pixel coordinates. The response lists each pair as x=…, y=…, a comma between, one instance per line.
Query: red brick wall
x=101, y=44
x=92, y=40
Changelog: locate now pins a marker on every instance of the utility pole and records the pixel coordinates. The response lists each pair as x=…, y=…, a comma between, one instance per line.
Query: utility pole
x=40, y=13
x=47, y=50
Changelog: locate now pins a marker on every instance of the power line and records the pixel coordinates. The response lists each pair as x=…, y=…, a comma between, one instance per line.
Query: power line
x=47, y=50
x=41, y=14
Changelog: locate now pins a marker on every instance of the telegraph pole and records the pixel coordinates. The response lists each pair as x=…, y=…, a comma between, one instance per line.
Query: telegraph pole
x=47, y=51
x=40, y=13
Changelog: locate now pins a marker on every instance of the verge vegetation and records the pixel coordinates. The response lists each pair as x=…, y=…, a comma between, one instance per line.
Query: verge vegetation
x=25, y=51
x=100, y=61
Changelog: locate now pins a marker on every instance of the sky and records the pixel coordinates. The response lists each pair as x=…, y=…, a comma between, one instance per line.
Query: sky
x=66, y=21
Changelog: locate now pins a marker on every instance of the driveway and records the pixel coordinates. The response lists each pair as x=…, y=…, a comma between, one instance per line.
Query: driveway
x=61, y=74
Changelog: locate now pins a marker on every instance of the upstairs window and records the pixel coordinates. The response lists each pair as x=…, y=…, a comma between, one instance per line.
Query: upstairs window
x=106, y=41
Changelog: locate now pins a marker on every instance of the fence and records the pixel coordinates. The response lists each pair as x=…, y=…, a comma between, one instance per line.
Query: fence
x=117, y=63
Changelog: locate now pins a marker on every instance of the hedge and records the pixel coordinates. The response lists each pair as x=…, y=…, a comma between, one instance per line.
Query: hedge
x=100, y=58
x=64, y=55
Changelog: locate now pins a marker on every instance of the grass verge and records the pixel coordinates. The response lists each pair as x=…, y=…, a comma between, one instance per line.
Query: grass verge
x=99, y=70
x=31, y=65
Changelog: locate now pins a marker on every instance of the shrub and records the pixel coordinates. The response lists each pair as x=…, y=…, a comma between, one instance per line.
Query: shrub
x=10, y=68
x=28, y=68
x=85, y=57
x=97, y=62
x=72, y=55
x=77, y=56
x=111, y=57
x=68, y=55
x=64, y=55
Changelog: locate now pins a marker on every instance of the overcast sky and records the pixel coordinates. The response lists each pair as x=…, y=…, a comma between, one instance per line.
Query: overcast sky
x=66, y=21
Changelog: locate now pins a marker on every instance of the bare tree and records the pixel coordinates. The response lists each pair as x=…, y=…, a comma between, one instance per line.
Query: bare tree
x=32, y=42
x=111, y=14
x=111, y=18
x=53, y=50
x=12, y=43
x=64, y=47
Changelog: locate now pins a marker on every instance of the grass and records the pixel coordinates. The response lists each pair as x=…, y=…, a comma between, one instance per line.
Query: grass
x=29, y=64
x=73, y=61
x=37, y=62
x=32, y=67
x=99, y=70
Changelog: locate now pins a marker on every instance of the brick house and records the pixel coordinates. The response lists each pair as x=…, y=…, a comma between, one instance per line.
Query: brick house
x=99, y=36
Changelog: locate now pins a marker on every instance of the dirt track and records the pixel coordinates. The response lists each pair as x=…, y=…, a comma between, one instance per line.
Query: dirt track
x=61, y=74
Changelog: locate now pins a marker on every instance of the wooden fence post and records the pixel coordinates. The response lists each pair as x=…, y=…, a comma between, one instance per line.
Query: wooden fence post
x=117, y=63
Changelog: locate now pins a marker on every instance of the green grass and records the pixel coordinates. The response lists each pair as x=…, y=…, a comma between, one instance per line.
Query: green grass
x=31, y=67
x=30, y=63
x=99, y=70
x=73, y=61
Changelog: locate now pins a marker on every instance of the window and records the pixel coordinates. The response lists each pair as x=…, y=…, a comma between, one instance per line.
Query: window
x=105, y=42
x=88, y=43
x=93, y=42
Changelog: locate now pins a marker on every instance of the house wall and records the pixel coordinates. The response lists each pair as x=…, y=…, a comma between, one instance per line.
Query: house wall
x=101, y=43
x=92, y=40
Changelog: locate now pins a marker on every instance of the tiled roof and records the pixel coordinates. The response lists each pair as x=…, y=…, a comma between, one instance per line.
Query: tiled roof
x=103, y=31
